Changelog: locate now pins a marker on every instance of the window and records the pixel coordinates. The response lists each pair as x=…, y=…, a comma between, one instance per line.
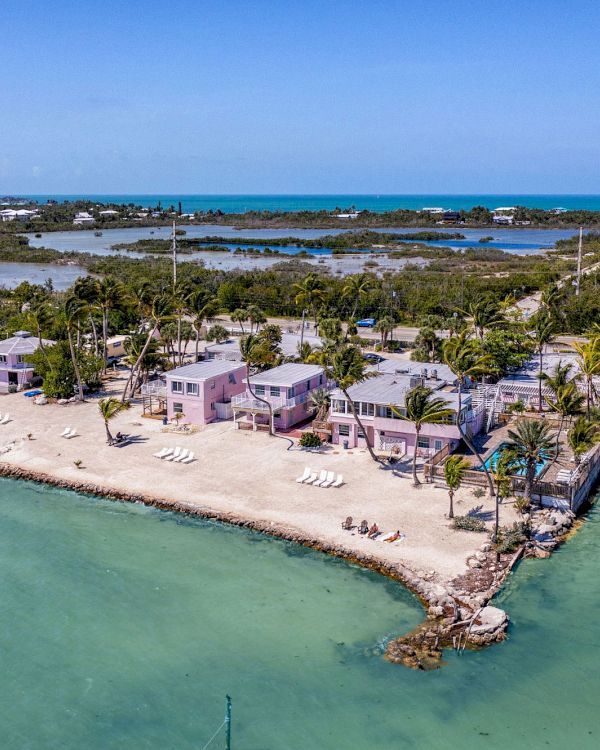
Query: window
x=176, y=386
x=275, y=390
x=344, y=430
x=213, y=385
x=360, y=434
x=308, y=385
x=191, y=389
x=232, y=379
x=212, y=405
x=20, y=358
x=320, y=379
x=423, y=442
x=178, y=408
x=291, y=392
x=367, y=410
x=3, y=358
x=259, y=390
x=338, y=405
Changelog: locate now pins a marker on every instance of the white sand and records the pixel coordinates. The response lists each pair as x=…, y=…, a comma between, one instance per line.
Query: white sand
x=251, y=475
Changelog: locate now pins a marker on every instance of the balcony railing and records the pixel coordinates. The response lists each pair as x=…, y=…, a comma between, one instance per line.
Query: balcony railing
x=155, y=388
x=247, y=401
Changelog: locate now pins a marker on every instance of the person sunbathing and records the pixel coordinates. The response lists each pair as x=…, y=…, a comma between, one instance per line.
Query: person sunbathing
x=373, y=531
x=393, y=537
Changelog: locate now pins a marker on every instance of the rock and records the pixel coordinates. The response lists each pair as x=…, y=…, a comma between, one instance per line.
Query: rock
x=490, y=621
x=62, y=401
x=485, y=547
x=40, y=400
x=435, y=611
x=472, y=563
x=481, y=556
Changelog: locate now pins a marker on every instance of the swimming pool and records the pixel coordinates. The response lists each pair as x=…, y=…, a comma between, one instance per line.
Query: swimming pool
x=519, y=470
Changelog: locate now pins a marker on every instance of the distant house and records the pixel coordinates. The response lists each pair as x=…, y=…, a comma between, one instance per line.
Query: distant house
x=373, y=399
x=8, y=214
x=203, y=391
x=82, y=218
x=289, y=347
x=15, y=372
x=115, y=345
x=503, y=215
x=287, y=388
x=108, y=212
x=352, y=215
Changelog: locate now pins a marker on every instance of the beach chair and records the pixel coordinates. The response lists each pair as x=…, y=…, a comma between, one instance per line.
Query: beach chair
x=181, y=456
x=176, y=453
x=311, y=478
x=5, y=419
x=305, y=476
x=167, y=453
x=162, y=452
x=321, y=479
x=339, y=481
x=71, y=434
x=189, y=458
x=330, y=479
x=65, y=432
x=364, y=527
x=347, y=524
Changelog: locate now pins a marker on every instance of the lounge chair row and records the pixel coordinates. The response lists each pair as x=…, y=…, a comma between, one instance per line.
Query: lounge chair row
x=177, y=455
x=324, y=479
x=69, y=432
x=5, y=419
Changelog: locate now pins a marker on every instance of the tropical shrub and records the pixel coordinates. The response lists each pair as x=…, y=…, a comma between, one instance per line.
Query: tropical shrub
x=310, y=440
x=522, y=504
x=510, y=538
x=468, y=523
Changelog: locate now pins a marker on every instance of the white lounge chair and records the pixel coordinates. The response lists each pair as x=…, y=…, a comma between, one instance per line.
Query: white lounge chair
x=330, y=479
x=162, y=452
x=65, y=432
x=167, y=453
x=339, y=481
x=5, y=419
x=189, y=458
x=311, y=478
x=174, y=455
x=305, y=476
x=71, y=434
x=321, y=479
x=181, y=456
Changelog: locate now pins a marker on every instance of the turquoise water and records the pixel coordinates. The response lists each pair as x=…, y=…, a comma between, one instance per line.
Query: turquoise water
x=124, y=627
x=243, y=203
x=492, y=460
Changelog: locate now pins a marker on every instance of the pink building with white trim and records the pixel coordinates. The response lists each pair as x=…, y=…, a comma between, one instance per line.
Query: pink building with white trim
x=15, y=372
x=373, y=400
x=287, y=388
x=202, y=391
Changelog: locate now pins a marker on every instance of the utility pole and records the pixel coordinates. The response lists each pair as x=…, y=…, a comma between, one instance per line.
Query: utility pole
x=228, y=724
x=174, y=249
x=578, y=282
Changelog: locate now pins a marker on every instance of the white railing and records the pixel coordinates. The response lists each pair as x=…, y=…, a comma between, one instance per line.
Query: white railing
x=155, y=388
x=247, y=400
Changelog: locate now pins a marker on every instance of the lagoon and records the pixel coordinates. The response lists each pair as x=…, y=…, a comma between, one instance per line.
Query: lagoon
x=124, y=626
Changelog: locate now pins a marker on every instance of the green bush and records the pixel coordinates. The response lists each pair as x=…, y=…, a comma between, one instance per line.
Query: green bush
x=468, y=523
x=310, y=440
x=510, y=538
x=522, y=504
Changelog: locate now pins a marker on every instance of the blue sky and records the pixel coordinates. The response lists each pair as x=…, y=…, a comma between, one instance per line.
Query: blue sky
x=300, y=97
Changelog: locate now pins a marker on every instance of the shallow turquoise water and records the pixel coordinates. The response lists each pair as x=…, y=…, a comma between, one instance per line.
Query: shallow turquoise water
x=124, y=627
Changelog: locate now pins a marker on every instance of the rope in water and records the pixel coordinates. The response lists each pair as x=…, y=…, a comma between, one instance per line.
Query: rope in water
x=215, y=734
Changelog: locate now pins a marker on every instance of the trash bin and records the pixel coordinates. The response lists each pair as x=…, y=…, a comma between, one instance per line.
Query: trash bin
x=165, y=420
x=345, y=445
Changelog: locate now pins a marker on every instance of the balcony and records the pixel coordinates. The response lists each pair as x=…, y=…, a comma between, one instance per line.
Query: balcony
x=247, y=401
x=155, y=388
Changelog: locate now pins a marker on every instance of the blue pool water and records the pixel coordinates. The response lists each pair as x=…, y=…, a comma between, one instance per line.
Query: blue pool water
x=492, y=460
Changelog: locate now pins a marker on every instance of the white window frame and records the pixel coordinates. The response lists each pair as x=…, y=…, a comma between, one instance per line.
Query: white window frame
x=177, y=386
x=344, y=430
x=191, y=389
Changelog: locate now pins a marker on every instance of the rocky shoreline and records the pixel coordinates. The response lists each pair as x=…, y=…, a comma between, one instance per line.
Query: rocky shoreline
x=458, y=613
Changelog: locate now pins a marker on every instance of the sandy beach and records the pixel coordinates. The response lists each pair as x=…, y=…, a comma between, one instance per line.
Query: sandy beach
x=249, y=477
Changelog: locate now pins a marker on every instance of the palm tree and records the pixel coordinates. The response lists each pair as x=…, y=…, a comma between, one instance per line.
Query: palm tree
x=309, y=292
x=256, y=317
x=531, y=442
x=384, y=327
x=356, y=288
x=39, y=318
x=422, y=409
x=484, y=313
x=110, y=296
x=160, y=312
x=346, y=366
x=543, y=329
x=74, y=310
x=202, y=306
x=239, y=316
x=589, y=366
x=505, y=465
x=582, y=436
x=320, y=400
x=568, y=403
x=304, y=351
x=109, y=408
x=85, y=289
x=463, y=356
x=254, y=354
x=454, y=473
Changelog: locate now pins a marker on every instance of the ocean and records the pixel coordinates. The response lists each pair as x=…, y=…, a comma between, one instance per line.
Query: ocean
x=375, y=203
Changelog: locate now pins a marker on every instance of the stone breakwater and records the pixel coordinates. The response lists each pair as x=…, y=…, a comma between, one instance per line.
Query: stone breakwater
x=458, y=612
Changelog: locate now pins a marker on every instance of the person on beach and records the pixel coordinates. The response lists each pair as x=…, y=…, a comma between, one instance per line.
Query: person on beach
x=393, y=537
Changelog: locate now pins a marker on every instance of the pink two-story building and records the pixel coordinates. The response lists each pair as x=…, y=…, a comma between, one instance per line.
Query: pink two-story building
x=203, y=391
x=15, y=372
x=287, y=388
x=373, y=400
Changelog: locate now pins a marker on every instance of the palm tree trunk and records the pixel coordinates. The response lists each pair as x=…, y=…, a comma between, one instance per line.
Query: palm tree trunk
x=540, y=372
x=94, y=333
x=529, y=475
x=360, y=425
x=179, y=340
x=416, y=481
x=262, y=401
x=451, y=510
x=470, y=443
x=75, y=365
x=138, y=361
x=105, y=335
x=197, y=332
x=109, y=437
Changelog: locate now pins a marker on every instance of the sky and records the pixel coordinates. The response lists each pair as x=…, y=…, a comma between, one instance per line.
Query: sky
x=335, y=96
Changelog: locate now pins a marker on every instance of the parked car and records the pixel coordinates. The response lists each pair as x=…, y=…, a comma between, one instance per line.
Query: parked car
x=365, y=323
x=373, y=359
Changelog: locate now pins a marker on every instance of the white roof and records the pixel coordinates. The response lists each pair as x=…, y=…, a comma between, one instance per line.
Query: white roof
x=210, y=368
x=21, y=343
x=430, y=371
x=287, y=375
x=289, y=346
x=392, y=389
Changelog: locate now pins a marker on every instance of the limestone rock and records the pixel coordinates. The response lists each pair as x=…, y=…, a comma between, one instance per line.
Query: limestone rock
x=490, y=621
